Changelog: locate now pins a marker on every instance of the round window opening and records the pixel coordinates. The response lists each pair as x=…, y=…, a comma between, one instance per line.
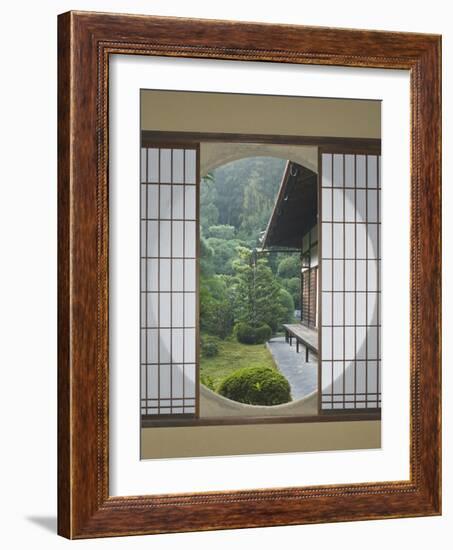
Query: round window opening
x=258, y=280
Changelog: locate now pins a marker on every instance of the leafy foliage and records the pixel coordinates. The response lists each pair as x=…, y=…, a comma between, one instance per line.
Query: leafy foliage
x=263, y=334
x=216, y=312
x=246, y=334
x=206, y=255
x=236, y=284
x=209, y=346
x=257, y=297
x=256, y=386
x=293, y=287
x=225, y=232
x=289, y=267
x=223, y=254
x=208, y=207
x=287, y=303
x=208, y=381
x=241, y=194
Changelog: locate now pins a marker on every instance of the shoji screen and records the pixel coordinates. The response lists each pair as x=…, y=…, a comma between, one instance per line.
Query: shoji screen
x=350, y=282
x=168, y=280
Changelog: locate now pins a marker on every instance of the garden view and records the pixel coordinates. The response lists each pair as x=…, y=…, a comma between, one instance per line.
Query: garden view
x=246, y=294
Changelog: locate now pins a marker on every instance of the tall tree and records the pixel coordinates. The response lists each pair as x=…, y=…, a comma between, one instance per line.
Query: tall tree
x=256, y=292
x=208, y=198
x=255, y=209
x=228, y=191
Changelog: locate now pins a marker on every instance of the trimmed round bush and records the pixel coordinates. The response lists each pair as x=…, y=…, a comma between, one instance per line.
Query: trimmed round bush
x=263, y=334
x=209, y=346
x=256, y=386
x=246, y=334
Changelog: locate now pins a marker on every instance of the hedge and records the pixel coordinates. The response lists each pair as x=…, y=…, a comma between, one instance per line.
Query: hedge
x=209, y=346
x=246, y=334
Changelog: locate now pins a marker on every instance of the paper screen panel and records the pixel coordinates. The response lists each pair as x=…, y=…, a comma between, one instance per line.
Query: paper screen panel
x=350, y=282
x=168, y=281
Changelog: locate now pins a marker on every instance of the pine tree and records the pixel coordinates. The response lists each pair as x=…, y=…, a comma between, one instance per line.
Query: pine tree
x=256, y=292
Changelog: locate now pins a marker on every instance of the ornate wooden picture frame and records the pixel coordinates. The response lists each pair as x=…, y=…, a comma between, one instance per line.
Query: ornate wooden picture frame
x=85, y=42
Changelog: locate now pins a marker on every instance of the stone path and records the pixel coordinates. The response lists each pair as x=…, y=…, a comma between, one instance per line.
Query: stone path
x=302, y=377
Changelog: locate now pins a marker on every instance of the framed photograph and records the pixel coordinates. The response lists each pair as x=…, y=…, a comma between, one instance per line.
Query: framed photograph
x=249, y=275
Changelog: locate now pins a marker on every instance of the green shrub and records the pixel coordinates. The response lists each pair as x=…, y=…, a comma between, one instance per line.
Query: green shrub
x=256, y=386
x=207, y=381
x=209, y=346
x=246, y=334
x=263, y=334
x=216, y=315
x=293, y=287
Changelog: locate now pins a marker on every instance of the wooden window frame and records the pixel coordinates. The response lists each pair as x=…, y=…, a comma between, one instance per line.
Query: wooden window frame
x=85, y=507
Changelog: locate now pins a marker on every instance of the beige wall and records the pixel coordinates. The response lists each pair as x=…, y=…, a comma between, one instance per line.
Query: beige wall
x=214, y=154
x=259, y=438
x=259, y=114
x=235, y=113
